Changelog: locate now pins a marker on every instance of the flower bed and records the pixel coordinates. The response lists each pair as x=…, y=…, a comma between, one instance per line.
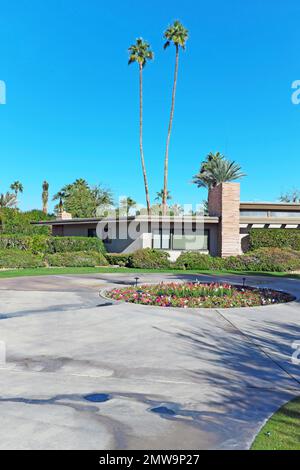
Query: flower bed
x=191, y=295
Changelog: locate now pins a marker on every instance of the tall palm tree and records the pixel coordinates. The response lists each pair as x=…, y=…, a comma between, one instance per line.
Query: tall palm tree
x=176, y=34
x=8, y=200
x=140, y=53
x=17, y=187
x=217, y=169
x=45, y=196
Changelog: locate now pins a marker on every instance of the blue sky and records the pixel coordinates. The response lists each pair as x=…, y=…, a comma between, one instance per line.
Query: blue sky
x=72, y=101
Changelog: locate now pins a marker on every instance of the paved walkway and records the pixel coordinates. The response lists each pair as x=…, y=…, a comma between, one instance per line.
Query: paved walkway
x=216, y=374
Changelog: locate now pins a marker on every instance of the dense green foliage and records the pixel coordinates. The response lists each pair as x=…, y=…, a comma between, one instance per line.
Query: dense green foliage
x=264, y=259
x=118, y=259
x=12, y=221
x=19, y=259
x=76, y=259
x=44, y=244
x=149, y=259
x=80, y=200
x=276, y=238
x=65, y=244
x=195, y=260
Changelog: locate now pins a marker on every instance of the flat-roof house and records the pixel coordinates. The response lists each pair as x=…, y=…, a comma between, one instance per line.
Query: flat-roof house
x=224, y=232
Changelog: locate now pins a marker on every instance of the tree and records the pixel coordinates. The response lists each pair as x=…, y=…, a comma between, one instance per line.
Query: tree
x=81, y=200
x=178, y=35
x=127, y=204
x=217, y=169
x=140, y=53
x=160, y=196
x=45, y=196
x=17, y=187
x=291, y=197
x=8, y=200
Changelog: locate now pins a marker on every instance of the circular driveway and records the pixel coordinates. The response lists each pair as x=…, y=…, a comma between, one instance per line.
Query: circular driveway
x=172, y=378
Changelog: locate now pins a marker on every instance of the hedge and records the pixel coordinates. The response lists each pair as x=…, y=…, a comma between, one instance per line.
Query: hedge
x=19, y=259
x=195, y=260
x=265, y=259
x=119, y=259
x=76, y=259
x=67, y=244
x=149, y=259
x=274, y=238
x=46, y=245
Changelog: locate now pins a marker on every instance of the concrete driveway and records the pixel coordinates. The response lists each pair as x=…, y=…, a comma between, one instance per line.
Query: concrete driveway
x=164, y=378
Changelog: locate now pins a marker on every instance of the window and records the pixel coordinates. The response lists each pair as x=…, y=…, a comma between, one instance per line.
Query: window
x=167, y=240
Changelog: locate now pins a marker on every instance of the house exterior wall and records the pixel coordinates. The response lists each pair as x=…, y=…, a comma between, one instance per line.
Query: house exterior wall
x=121, y=239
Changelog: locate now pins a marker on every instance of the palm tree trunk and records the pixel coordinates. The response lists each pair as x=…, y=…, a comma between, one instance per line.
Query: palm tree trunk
x=166, y=168
x=141, y=143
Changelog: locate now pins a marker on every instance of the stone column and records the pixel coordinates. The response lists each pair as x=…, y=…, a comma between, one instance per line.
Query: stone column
x=224, y=202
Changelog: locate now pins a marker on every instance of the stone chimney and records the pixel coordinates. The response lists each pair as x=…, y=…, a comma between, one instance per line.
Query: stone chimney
x=224, y=202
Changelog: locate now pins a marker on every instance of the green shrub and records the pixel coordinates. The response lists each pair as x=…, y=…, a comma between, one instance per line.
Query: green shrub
x=118, y=259
x=76, y=259
x=13, y=221
x=44, y=244
x=149, y=259
x=274, y=238
x=35, y=243
x=195, y=260
x=265, y=259
x=67, y=244
x=19, y=259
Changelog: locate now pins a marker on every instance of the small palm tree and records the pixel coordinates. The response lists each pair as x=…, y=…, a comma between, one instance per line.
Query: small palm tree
x=140, y=53
x=178, y=35
x=17, y=187
x=8, y=200
x=160, y=196
x=217, y=169
x=128, y=203
x=291, y=197
x=45, y=196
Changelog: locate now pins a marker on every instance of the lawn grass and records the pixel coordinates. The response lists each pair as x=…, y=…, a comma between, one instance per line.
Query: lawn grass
x=105, y=270
x=282, y=431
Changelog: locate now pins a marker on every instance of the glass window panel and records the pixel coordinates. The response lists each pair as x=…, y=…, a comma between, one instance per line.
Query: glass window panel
x=156, y=241
x=190, y=242
x=165, y=241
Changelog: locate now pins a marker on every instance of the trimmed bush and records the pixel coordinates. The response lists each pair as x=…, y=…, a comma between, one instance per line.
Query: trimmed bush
x=118, y=259
x=35, y=243
x=274, y=238
x=195, y=260
x=149, y=259
x=67, y=244
x=43, y=244
x=76, y=259
x=265, y=259
x=19, y=259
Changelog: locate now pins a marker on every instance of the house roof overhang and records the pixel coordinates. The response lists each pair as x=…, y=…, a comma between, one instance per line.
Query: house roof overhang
x=145, y=219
